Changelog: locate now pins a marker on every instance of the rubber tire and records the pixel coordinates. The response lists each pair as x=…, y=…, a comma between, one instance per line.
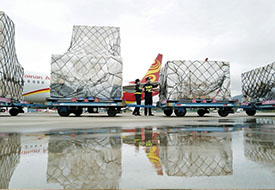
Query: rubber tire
x=112, y=112
x=14, y=111
x=250, y=112
x=20, y=110
x=223, y=113
x=180, y=112
x=78, y=112
x=201, y=112
x=168, y=112
x=63, y=113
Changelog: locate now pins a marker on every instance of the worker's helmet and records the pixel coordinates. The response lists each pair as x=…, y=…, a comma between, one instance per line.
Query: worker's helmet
x=137, y=80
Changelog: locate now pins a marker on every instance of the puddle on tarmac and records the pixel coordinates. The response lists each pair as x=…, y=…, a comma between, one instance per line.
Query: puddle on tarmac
x=208, y=156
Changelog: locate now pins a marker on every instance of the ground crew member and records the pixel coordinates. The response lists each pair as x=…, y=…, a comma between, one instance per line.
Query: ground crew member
x=148, y=96
x=138, y=91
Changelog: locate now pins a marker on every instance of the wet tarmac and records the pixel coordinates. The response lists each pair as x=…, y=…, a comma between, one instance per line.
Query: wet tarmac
x=216, y=153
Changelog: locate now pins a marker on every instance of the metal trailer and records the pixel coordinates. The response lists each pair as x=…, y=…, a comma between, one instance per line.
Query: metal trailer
x=251, y=107
x=180, y=107
x=66, y=106
x=17, y=107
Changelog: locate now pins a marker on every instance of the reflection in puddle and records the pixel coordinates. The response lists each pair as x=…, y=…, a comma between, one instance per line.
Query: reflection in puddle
x=265, y=121
x=247, y=120
x=196, y=154
x=149, y=140
x=185, y=153
x=10, y=148
x=152, y=157
x=260, y=144
x=84, y=162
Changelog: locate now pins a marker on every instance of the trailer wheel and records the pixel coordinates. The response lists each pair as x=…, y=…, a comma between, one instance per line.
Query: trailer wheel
x=63, y=111
x=180, y=112
x=78, y=112
x=250, y=112
x=223, y=113
x=112, y=112
x=168, y=112
x=201, y=112
x=14, y=111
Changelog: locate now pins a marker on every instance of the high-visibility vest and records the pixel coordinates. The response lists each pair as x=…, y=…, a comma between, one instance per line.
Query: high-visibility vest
x=148, y=88
x=138, y=89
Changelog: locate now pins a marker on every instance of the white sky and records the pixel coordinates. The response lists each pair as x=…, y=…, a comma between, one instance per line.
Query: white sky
x=239, y=31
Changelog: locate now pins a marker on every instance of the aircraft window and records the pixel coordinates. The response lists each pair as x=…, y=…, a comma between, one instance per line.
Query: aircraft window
x=42, y=82
x=33, y=81
x=29, y=81
x=38, y=82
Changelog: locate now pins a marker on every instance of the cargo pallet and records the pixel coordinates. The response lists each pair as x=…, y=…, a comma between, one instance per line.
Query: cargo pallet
x=179, y=107
x=66, y=106
x=251, y=107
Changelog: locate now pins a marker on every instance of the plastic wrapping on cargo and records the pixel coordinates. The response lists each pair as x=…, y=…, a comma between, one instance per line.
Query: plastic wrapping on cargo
x=11, y=72
x=186, y=155
x=92, y=67
x=85, y=163
x=10, y=148
x=195, y=79
x=259, y=84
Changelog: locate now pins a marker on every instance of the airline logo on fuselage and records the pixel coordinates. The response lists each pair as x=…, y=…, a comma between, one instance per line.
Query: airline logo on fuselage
x=36, y=77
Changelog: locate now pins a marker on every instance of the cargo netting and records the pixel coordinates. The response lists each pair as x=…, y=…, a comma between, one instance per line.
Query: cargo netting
x=92, y=66
x=85, y=162
x=259, y=84
x=201, y=155
x=10, y=148
x=11, y=72
x=195, y=79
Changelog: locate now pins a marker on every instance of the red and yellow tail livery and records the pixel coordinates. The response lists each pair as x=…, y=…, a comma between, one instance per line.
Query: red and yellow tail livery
x=154, y=70
x=153, y=73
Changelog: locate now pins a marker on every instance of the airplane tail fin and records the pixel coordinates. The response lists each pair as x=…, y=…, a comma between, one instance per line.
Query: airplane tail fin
x=154, y=70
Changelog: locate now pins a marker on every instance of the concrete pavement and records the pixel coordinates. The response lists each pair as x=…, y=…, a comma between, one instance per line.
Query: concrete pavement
x=38, y=122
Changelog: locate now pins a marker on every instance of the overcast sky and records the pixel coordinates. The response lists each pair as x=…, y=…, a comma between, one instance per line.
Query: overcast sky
x=239, y=31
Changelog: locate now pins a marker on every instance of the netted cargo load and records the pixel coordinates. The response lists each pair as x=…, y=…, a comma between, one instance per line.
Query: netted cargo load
x=195, y=79
x=95, y=40
x=259, y=84
x=11, y=72
x=92, y=67
x=85, y=162
x=187, y=155
x=10, y=148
